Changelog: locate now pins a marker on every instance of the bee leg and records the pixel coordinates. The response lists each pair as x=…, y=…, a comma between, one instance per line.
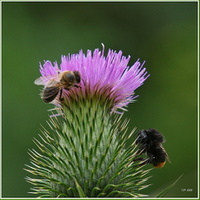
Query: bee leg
x=84, y=82
x=145, y=161
x=60, y=95
x=138, y=159
x=77, y=86
x=140, y=151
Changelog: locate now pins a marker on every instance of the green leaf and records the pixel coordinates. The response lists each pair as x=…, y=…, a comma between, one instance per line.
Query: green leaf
x=167, y=189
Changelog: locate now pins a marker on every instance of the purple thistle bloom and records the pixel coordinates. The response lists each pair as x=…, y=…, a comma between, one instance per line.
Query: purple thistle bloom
x=109, y=76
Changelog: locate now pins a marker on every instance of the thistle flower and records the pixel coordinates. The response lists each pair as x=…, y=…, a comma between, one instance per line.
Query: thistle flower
x=102, y=76
x=85, y=152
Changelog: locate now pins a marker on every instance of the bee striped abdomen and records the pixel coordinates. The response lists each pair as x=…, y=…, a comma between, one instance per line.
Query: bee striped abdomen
x=159, y=165
x=50, y=93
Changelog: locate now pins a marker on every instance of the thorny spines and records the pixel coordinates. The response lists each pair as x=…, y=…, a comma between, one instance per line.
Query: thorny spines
x=94, y=156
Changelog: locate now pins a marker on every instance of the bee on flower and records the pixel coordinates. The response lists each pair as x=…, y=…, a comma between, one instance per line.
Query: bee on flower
x=64, y=80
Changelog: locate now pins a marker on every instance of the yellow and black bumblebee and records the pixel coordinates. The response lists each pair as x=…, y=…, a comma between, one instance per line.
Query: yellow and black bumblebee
x=150, y=143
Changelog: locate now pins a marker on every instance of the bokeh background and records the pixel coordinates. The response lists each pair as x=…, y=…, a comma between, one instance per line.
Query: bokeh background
x=162, y=33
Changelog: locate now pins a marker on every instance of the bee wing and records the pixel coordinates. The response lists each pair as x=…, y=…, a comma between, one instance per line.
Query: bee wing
x=44, y=80
x=167, y=156
x=52, y=83
x=168, y=159
x=39, y=81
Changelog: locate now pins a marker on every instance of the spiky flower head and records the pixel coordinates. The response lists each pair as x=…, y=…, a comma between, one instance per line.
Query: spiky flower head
x=87, y=152
x=108, y=76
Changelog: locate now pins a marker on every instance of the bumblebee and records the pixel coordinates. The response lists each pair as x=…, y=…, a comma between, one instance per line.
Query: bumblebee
x=64, y=80
x=150, y=143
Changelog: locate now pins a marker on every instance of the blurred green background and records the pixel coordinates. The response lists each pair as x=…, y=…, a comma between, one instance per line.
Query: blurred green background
x=162, y=33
